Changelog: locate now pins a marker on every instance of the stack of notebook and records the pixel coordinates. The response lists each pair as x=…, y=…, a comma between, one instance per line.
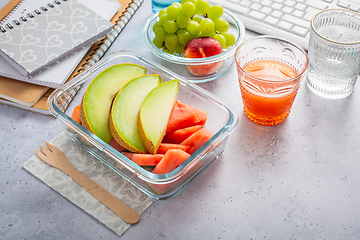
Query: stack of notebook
x=45, y=43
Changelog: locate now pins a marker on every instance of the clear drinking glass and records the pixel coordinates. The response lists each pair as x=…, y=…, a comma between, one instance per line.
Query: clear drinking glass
x=334, y=53
x=270, y=71
x=157, y=5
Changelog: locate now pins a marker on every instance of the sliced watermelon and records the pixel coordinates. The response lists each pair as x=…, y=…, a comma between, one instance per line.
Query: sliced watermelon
x=164, y=147
x=171, y=160
x=202, y=115
x=144, y=159
x=180, y=135
x=183, y=116
x=76, y=114
x=196, y=140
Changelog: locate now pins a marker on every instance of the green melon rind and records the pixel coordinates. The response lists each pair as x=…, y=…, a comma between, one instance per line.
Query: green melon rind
x=124, y=115
x=97, y=100
x=157, y=103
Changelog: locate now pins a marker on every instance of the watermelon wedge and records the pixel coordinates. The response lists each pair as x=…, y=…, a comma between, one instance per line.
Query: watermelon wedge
x=183, y=116
x=196, y=140
x=164, y=147
x=202, y=115
x=76, y=114
x=180, y=135
x=144, y=159
x=171, y=160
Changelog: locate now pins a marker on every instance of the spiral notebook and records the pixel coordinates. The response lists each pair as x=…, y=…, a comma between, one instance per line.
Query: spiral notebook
x=30, y=96
x=43, y=38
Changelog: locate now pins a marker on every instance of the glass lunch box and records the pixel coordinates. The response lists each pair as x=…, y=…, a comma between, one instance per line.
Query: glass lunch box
x=222, y=120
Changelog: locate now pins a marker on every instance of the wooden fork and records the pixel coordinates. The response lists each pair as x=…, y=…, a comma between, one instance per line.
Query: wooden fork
x=54, y=157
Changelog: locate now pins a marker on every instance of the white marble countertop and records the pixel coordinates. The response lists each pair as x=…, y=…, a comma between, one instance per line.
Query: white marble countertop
x=296, y=180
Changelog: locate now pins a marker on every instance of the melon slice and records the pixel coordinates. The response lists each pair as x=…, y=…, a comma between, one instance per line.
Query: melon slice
x=196, y=140
x=124, y=116
x=155, y=112
x=96, y=102
x=171, y=160
x=164, y=147
x=180, y=135
x=183, y=116
x=143, y=159
x=113, y=143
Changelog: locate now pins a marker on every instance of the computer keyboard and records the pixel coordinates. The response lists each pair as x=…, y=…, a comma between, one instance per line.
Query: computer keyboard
x=289, y=19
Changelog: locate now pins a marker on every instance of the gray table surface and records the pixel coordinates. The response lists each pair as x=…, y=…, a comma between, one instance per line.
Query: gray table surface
x=297, y=180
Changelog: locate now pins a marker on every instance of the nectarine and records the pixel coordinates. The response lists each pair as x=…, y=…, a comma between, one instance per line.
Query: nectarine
x=203, y=47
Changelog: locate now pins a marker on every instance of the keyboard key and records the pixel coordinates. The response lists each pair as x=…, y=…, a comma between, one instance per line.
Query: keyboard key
x=298, y=13
x=257, y=15
x=299, y=31
x=290, y=3
x=300, y=6
x=235, y=7
x=276, y=14
x=296, y=20
x=344, y=4
x=266, y=3
x=287, y=9
x=266, y=10
x=317, y=4
x=277, y=6
x=255, y=6
x=285, y=25
x=271, y=20
x=245, y=3
x=355, y=7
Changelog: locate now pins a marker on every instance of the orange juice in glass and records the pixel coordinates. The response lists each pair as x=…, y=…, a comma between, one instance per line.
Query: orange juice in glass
x=270, y=71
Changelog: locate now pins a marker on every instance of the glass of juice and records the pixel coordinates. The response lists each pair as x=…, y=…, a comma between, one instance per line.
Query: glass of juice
x=270, y=70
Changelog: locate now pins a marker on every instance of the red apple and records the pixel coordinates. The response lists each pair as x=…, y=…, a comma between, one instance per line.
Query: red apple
x=200, y=48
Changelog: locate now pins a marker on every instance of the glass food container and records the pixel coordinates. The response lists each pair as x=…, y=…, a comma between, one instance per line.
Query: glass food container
x=222, y=120
x=179, y=64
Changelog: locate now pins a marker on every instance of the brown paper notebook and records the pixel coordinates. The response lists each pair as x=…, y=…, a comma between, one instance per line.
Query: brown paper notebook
x=33, y=97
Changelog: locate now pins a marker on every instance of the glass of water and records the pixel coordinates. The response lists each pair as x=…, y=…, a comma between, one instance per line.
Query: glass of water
x=334, y=53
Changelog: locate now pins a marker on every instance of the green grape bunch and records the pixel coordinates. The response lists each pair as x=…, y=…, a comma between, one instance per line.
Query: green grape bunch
x=181, y=22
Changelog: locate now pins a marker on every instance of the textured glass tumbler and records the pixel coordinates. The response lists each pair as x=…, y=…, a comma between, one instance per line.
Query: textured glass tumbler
x=334, y=53
x=157, y=5
x=270, y=71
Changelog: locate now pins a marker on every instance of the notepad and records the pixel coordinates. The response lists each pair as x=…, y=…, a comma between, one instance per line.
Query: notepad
x=48, y=35
x=121, y=10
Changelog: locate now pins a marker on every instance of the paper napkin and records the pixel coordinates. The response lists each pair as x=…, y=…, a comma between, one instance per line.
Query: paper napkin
x=97, y=172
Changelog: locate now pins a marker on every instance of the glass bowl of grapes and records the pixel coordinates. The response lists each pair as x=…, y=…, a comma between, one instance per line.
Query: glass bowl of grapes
x=194, y=39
